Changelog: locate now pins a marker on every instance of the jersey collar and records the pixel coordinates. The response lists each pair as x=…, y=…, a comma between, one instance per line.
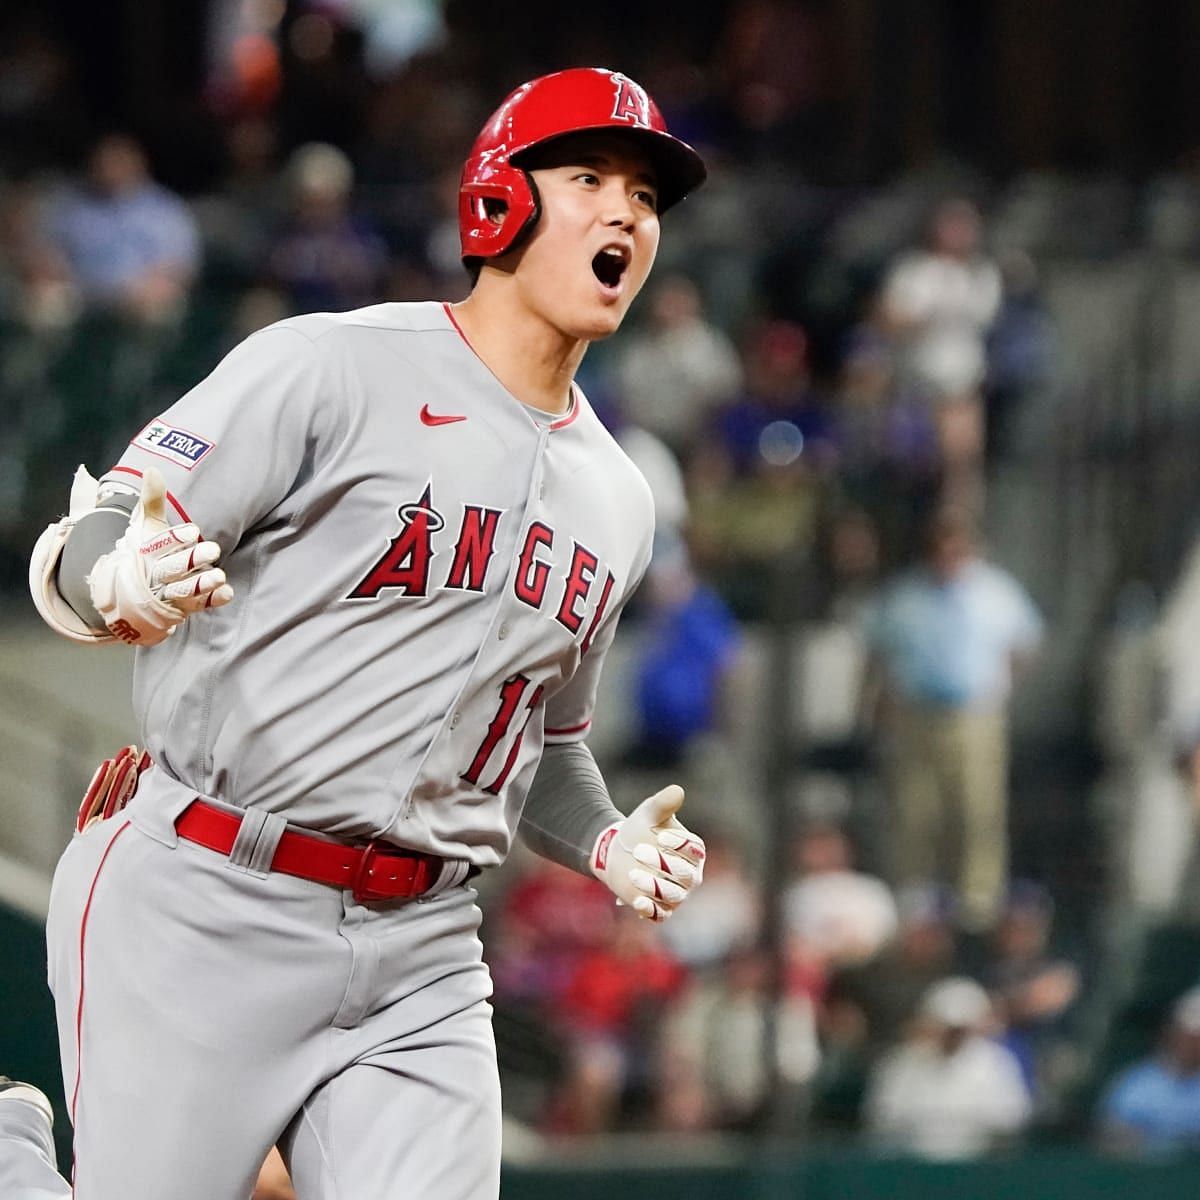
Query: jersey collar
x=561, y=422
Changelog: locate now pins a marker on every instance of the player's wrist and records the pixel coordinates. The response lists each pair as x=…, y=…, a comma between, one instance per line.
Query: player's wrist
x=602, y=847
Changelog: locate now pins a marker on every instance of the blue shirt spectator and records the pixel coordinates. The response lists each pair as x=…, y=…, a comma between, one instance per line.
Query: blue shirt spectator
x=691, y=642
x=327, y=258
x=1154, y=1106
x=948, y=631
x=123, y=239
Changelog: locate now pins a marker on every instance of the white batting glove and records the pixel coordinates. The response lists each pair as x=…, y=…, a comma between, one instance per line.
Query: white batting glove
x=157, y=574
x=650, y=861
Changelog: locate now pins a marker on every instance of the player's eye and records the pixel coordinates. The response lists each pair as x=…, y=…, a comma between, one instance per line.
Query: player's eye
x=588, y=177
x=648, y=198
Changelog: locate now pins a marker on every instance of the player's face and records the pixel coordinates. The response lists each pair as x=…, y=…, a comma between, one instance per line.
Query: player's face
x=597, y=236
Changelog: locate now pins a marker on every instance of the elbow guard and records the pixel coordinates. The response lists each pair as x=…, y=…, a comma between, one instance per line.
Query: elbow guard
x=43, y=567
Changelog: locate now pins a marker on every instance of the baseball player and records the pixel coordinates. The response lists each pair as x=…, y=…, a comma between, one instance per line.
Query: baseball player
x=425, y=540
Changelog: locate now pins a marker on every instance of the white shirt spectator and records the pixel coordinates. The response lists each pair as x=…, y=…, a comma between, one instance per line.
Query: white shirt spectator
x=946, y=305
x=846, y=917
x=948, y=1092
x=947, y=1106
x=719, y=918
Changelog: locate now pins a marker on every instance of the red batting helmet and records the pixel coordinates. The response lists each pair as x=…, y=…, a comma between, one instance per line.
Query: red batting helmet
x=583, y=98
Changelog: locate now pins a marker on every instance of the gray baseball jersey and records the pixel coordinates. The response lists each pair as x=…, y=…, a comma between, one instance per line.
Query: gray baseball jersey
x=427, y=578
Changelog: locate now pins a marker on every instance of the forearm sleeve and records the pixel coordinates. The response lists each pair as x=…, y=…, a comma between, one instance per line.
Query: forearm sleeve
x=94, y=534
x=568, y=807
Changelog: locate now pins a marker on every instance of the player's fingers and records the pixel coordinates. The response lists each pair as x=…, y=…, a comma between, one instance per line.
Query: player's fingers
x=668, y=866
x=195, y=604
x=195, y=587
x=645, y=907
x=220, y=597
x=154, y=495
x=657, y=888
x=217, y=598
x=179, y=566
x=167, y=541
x=683, y=842
x=662, y=806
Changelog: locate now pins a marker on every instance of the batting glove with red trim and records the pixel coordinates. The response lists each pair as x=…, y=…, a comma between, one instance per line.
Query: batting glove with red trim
x=158, y=574
x=112, y=786
x=650, y=860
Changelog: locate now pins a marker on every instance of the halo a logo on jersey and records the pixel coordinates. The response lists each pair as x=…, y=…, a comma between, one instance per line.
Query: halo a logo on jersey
x=176, y=445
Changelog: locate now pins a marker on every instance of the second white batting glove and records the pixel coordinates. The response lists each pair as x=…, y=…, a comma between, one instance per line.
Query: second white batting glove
x=650, y=860
x=157, y=574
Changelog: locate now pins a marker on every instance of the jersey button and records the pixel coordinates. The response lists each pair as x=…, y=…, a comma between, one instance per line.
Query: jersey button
x=503, y=631
x=454, y=720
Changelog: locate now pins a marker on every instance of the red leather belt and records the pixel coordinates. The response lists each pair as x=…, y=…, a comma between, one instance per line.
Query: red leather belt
x=376, y=871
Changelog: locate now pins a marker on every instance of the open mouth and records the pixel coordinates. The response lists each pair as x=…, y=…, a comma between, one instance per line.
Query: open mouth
x=609, y=265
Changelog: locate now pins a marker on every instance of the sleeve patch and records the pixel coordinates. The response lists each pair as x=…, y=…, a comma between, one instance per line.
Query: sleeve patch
x=183, y=448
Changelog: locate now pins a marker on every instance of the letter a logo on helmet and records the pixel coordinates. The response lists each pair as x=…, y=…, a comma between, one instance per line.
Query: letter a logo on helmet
x=498, y=203
x=632, y=102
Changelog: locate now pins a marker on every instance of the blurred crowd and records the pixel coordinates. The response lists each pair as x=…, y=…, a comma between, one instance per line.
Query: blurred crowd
x=817, y=385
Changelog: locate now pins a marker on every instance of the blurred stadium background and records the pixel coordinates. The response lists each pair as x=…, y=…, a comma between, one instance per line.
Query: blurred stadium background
x=938, y=306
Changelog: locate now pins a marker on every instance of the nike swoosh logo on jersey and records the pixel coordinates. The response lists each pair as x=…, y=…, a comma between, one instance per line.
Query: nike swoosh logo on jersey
x=428, y=418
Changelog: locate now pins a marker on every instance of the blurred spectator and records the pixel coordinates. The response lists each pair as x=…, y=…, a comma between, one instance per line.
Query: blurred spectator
x=939, y=303
x=756, y=479
x=947, y=638
x=1020, y=349
x=674, y=373
x=947, y=1091
x=687, y=651
x=842, y=916
x=779, y=77
x=43, y=114
x=1153, y=1107
x=779, y=410
x=852, y=565
x=36, y=287
x=548, y=920
x=889, y=458
x=722, y=916
x=1032, y=989
x=886, y=991
x=327, y=257
x=238, y=215
x=867, y=1006
x=609, y=1017
x=124, y=242
x=714, y=1050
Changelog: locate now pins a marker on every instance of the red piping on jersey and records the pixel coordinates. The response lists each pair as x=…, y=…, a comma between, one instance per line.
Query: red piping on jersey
x=569, y=729
x=562, y=421
x=83, y=923
x=174, y=503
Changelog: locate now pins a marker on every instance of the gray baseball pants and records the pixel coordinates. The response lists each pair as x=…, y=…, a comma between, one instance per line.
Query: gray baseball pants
x=208, y=1009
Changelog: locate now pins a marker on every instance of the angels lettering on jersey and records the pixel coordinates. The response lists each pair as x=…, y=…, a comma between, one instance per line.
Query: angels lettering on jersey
x=405, y=568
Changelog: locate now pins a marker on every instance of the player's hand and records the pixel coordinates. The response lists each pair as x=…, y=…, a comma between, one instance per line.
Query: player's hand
x=157, y=574
x=650, y=861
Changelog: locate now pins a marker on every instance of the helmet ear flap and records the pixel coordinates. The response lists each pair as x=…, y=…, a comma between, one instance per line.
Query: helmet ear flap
x=484, y=237
x=535, y=211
